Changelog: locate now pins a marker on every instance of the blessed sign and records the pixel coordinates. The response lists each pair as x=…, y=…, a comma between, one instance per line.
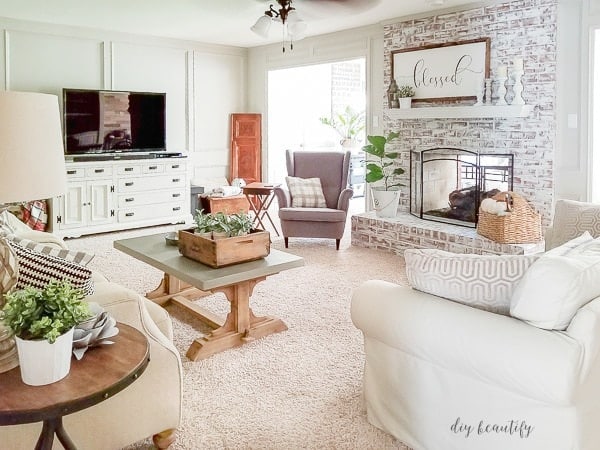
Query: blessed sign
x=451, y=71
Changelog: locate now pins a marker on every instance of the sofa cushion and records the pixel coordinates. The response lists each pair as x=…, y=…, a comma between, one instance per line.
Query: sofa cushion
x=306, y=192
x=482, y=281
x=38, y=269
x=78, y=257
x=557, y=285
x=571, y=218
x=10, y=224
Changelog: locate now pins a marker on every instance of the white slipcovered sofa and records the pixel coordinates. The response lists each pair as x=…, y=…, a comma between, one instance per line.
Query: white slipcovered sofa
x=508, y=364
x=150, y=407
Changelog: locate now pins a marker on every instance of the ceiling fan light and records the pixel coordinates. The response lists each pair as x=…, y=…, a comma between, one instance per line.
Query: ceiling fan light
x=292, y=17
x=262, y=26
x=297, y=30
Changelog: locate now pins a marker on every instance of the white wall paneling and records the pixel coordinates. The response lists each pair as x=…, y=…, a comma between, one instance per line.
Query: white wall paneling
x=156, y=69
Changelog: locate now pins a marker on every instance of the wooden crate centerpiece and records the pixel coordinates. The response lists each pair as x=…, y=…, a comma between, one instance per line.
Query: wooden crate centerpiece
x=226, y=251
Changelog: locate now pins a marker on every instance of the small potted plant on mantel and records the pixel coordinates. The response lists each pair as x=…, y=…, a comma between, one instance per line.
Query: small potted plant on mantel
x=386, y=196
x=42, y=321
x=405, y=94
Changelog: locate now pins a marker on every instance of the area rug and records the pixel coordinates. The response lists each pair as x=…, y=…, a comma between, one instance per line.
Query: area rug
x=301, y=388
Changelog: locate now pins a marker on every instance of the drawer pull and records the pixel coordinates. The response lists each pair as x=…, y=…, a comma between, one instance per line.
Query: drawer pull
x=129, y=184
x=128, y=169
x=175, y=195
x=176, y=208
x=176, y=180
x=71, y=172
x=175, y=166
x=98, y=170
x=130, y=199
x=152, y=167
x=130, y=214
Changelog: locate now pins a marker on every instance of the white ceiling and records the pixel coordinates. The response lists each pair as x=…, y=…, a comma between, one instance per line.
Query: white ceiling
x=213, y=21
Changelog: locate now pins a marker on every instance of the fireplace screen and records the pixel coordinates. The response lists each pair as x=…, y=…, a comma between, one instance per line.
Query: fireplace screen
x=448, y=184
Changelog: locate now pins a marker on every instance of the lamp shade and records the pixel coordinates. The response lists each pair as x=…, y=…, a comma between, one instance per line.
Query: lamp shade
x=32, y=163
x=262, y=26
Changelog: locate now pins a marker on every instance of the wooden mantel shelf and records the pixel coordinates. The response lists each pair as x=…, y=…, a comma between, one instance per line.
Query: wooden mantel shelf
x=458, y=112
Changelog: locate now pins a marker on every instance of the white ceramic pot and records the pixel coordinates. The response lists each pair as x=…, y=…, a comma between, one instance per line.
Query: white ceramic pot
x=44, y=363
x=385, y=202
x=405, y=102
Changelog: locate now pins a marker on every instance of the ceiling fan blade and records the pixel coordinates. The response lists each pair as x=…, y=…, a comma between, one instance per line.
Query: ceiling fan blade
x=353, y=6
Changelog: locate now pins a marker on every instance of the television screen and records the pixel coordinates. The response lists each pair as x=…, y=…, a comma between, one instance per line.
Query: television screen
x=113, y=121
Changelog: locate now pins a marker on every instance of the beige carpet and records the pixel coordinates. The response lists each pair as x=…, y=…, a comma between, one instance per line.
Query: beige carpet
x=298, y=389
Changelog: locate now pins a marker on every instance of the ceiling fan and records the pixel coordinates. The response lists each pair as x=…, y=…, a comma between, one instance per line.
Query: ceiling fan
x=294, y=28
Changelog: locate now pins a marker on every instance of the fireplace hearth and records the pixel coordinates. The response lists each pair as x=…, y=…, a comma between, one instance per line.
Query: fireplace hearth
x=448, y=184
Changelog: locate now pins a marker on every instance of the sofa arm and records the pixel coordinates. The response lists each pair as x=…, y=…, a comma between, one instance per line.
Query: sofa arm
x=495, y=349
x=42, y=238
x=283, y=197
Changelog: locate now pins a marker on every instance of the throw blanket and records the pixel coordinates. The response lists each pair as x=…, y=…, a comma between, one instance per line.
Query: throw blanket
x=225, y=191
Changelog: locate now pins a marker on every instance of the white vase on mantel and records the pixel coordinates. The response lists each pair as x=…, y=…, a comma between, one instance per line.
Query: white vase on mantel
x=405, y=102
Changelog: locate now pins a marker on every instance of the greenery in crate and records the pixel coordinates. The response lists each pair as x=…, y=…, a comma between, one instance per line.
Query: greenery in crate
x=46, y=313
x=383, y=167
x=236, y=224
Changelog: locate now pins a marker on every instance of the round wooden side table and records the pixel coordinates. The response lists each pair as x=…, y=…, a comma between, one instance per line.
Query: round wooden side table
x=100, y=374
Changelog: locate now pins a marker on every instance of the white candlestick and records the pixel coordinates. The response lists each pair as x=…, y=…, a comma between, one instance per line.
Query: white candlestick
x=501, y=91
x=518, y=88
x=518, y=64
x=501, y=72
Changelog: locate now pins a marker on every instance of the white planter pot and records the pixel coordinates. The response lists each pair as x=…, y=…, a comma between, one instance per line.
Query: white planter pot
x=385, y=202
x=44, y=363
x=405, y=102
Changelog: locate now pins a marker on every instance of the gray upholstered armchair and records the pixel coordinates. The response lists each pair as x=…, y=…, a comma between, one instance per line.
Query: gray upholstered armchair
x=328, y=220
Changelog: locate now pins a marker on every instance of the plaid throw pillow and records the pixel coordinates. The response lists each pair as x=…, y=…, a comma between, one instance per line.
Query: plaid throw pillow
x=37, y=270
x=68, y=255
x=306, y=192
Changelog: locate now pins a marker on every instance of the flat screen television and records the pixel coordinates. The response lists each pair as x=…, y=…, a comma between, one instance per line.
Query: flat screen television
x=101, y=121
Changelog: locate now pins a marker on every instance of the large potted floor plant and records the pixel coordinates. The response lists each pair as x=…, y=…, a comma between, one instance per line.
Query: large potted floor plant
x=383, y=174
x=349, y=124
x=42, y=321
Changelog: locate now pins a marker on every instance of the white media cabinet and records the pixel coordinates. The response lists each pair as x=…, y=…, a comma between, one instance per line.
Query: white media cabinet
x=121, y=194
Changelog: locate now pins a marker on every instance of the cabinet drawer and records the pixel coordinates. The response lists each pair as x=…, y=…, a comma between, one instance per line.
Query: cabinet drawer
x=129, y=170
x=174, y=167
x=151, y=212
x=74, y=173
x=148, y=198
x=137, y=184
x=153, y=168
x=91, y=172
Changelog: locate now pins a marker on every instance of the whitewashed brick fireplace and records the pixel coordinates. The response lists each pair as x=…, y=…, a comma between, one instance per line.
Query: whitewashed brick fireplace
x=523, y=29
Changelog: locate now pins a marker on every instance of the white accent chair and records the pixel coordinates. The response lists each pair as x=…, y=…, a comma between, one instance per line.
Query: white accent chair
x=150, y=407
x=444, y=375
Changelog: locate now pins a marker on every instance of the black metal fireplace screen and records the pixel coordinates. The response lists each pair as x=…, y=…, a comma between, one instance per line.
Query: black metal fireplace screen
x=448, y=184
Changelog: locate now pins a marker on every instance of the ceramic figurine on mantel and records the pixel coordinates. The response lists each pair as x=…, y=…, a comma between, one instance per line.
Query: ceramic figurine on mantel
x=501, y=78
x=517, y=74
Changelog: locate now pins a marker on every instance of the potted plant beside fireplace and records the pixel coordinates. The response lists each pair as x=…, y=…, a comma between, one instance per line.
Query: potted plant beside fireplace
x=383, y=171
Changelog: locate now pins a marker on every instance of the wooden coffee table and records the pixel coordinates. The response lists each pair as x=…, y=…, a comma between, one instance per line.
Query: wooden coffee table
x=100, y=374
x=185, y=280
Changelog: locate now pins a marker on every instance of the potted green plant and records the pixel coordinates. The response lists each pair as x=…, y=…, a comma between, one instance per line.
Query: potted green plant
x=204, y=224
x=42, y=321
x=405, y=94
x=240, y=224
x=348, y=124
x=382, y=168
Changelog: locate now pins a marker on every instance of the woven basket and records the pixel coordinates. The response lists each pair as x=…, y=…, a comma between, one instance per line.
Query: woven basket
x=520, y=226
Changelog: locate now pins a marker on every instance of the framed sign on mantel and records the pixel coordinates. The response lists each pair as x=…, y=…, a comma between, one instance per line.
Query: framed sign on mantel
x=443, y=72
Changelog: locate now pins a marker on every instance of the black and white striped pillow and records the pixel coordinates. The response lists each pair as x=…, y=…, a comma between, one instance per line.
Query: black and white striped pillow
x=38, y=269
x=82, y=258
